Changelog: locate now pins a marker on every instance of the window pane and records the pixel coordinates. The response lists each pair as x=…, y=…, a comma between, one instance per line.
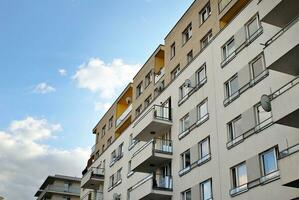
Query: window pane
x=188, y=195
x=206, y=190
x=257, y=67
x=252, y=27
x=204, y=148
x=242, y=175
x=201, y=75
x=234, y=85
x=203, y=110
x=269, y=162
x=230, y=47
x=262, y=114
x=187, y=159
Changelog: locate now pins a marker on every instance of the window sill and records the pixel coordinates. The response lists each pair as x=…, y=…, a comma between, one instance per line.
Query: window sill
x=130, y=174
x=114, y=185
x=184, y=171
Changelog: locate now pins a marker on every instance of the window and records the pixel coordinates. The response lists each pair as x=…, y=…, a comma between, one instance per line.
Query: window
x=234, y=128
x=187, y=33
x=231, y=86
x=190, y=56
x=148, y=79
x=205, y=13
x=257, y=66
x=175, y=72
x=111, y=181
x=113, y=156
x=147, y=101
x=262, y=116
x=129, y=167
x=118, y=175
x=138, y=110
x=202, y=109
x=186, y=195
x=201, y=75
x=111, y=122
x=184, y=91
x=185, y=159
x=185, y=123
x=109, y=141
x=67, y=186
x=120, y=150
x=206, y=190
x=131, y=139
x=206, y=39
x=269, y=161
x=239, y=175
x=103, y=130
x=139, y=89
x=204, y=148
x=172, y=50
x=252, y=27
x=228, y=50
x=103, y=147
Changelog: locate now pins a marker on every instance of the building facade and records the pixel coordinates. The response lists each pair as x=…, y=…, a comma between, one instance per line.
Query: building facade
x=212, y=114
x=59, y=187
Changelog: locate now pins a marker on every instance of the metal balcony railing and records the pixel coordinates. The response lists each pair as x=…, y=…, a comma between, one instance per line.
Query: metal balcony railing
x=93, y=196
x=160, y=182
x=285, y=88
x=58, y=188
x=159, y=75
x=123, y=116
x=289, y=151
x=159, y=145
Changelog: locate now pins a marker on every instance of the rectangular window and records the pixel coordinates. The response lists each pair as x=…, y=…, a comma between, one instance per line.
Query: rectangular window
x=187, y=33
x=231, y=86
x=269, y=162
x=103, y=148
x=228, y=49
x=129, y=167
x=120, y=150
x=118, y=175
x=109, y=141
x=202, y=109
x=185, y=123
x=252, y=27
x=139, y=89
x=175, y=72
x=172, y=50
x=148, y=79
x=138, y=110
x=257, y=66
x=234, y=128
x=111, y=181
x=204, y=148
x=239, y=175
x=206, y=190
x=113, y=156
x=190, y=56
x=186, y=195
x=205, y=13
x=131, y=139
x=201, y=75
x=185, y=159
x=206, y=39
x=111, y=122
x=147, y=101
x=262, y=116
x=103, y=130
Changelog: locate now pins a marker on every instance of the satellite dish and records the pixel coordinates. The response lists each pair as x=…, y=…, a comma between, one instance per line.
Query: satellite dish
x=187, y=83
x=266, y=102
x=128, y=100
x=160, y=86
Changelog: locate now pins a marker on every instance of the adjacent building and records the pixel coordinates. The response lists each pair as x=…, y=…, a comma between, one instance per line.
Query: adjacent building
x=59, y=187
x=212, y=114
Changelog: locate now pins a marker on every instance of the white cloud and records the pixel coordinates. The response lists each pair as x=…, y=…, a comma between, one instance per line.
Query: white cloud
x=62, y=72
x=105, y=78
x=26, y=162
x=101, y=107
x=43, y=88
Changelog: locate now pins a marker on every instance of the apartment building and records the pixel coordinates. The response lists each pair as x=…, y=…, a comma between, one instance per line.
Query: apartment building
x=222, y=121
x=59, y=187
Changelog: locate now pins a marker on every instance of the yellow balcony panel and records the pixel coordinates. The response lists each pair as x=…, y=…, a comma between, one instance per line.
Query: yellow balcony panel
x=279, y=12
x=156, y=187
x=123, y=125
x=228, y=9
x=282, y=49
x=285, y=104
x=152, y=155
x=159, y=59
x=124, y=101
x=93, y=178
x=288, y=166
x=152, y=124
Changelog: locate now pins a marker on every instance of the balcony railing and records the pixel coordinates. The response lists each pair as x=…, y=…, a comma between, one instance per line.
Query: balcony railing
x=93, y=196
x=160, y=145
x=285, y=88
x=63, y=189
x=289, y=151
x=123, y=116
x=160, y=182
x=97, y=171
x=159, y=75
x=222, y=4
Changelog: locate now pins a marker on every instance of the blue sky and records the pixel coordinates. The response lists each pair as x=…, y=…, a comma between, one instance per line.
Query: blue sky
x=55, y=113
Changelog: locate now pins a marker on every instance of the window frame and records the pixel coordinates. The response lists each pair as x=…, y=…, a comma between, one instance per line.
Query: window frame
x=202, y=68
x=189, y=56
x=235, y=175
x=172, y=50
x=175, y=72
x=258, y=22
x=184, y=160
x=147, y=101
x=148, y=79
x=198, y=107
x=228, y=86
x=103, y=133
x=139, y=89
x=252, y=73
x=206, y=9
x=184, y=196
x=273, y=149
x=187, y=34
x=183, y=122
x=208, y=37
x=225, y=53
x=110, y=124
x=200, y=145
x=201, y=188
x=232, y=134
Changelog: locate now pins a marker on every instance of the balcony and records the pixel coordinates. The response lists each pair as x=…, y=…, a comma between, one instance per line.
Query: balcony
x=278, y=12
x=228, y=9
x=153, y=123
x=155, y=186
x=285, y=104
x=152, y=155
x=93, y=178
x=123, y=116
x=159, y=75
x=51, y=190
x=92, y=195
x=288, y=165
x=282, y=49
